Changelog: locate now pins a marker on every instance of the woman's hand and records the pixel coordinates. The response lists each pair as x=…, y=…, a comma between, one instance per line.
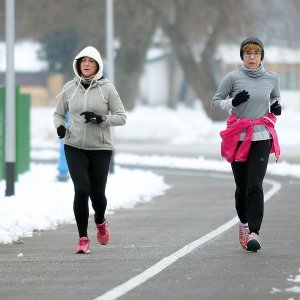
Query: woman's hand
x=275, y=109
x=61, y=131
x=240, y=98
x=91, y=117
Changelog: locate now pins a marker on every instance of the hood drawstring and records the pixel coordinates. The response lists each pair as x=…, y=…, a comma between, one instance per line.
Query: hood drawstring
x=78, y=85
x=71, y=85
x=99, y=86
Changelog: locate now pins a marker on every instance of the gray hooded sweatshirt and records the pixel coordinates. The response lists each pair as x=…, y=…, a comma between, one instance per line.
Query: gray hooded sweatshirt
x=100, y=97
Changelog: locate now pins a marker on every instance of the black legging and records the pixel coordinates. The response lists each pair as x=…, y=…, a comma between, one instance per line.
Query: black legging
x=89, y=171
x=249, y=176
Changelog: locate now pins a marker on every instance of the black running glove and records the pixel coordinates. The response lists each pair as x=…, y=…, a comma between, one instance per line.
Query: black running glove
x=61, y=131
x=91, y=117
x=240, y=98
x=276, y=109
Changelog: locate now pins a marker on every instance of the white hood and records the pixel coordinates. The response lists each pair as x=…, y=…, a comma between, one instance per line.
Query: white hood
x=93, y=53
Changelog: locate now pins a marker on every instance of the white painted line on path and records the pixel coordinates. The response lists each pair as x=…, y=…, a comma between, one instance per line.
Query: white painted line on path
x=132, y=283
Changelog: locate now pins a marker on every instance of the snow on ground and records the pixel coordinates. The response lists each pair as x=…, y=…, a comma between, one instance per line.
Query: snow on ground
x=41, y=202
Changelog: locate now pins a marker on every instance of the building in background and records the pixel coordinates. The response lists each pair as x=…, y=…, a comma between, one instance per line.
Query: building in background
x=32, y=74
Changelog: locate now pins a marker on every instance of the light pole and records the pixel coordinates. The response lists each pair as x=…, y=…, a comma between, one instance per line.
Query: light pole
x=110, y=55
x=110, y=39
x=10, y=99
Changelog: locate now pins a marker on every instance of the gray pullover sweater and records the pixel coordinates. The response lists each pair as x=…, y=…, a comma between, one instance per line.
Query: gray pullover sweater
x=263, y=88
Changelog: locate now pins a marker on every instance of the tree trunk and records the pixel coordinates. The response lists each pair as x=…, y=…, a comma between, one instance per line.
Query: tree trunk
x=135, y=38
x=199, y=74
x=199, y=71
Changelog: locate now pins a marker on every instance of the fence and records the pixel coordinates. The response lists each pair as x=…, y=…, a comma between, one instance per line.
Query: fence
x=22, y=132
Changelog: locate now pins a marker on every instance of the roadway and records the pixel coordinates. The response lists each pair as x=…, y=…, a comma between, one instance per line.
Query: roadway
x=141, y=261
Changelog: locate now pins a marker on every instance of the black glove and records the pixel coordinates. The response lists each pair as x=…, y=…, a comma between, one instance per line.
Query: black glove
x=240, y=98
x=276, y=109
x=91, y=117
x=61, y=131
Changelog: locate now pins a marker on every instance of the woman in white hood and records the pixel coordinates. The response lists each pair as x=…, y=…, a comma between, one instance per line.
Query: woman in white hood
x=94, y=106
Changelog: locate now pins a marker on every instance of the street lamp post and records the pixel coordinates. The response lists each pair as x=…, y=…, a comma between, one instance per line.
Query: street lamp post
x=110, y=39
x=110, y=55
x=10, y=99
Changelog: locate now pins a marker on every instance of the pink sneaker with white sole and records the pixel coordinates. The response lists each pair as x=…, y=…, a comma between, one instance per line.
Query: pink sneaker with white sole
x=103, y=233
x=83, y=246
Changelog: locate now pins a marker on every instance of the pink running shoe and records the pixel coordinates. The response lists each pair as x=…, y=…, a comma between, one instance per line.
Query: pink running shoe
x=103, y=233
x=83, y=246
x=253, y=243
x=243, y=234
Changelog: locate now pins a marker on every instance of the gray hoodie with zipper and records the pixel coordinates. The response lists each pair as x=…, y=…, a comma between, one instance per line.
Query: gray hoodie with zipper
x=100, y=97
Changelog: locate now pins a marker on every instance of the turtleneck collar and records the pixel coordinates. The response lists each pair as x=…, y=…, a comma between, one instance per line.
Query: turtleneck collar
x=254, y=72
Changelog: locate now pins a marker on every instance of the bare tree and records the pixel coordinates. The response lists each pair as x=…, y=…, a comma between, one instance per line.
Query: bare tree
x=196, y=28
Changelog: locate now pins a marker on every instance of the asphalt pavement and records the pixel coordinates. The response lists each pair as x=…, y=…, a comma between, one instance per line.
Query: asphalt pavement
x=196, y=204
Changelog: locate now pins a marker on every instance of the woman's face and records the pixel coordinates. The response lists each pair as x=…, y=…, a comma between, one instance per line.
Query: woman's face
x=252, y=56
x=252, y=59
x=88, y=67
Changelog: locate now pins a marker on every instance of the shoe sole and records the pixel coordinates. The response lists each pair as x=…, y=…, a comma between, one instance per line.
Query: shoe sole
x=82, y=252
x=103, y=243
x=253, y=245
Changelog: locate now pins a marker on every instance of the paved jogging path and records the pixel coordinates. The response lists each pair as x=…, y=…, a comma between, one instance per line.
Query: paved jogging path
x=198, y=203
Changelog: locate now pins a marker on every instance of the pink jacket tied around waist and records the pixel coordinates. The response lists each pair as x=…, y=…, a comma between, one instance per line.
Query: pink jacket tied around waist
x=230, y=137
